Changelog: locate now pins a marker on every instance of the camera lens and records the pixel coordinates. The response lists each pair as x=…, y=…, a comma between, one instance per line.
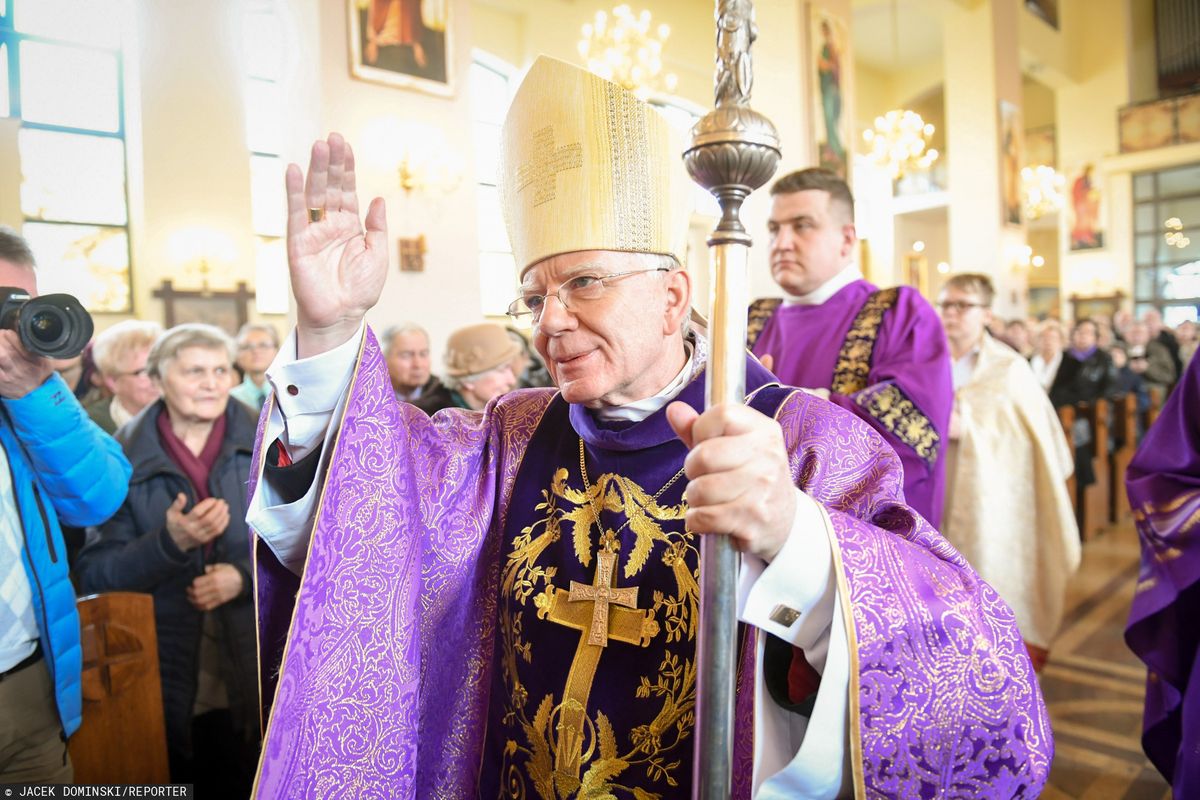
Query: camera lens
x=46, y=326
x=54, y=326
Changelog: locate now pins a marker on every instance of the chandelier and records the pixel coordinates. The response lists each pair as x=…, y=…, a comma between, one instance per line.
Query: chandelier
x=1174, y=234
x=1041, y=191
x=898, y=142
x=624, y=48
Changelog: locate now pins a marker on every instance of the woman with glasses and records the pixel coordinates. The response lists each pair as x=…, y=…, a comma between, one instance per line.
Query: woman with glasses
x=120, y=355
x=181, y=536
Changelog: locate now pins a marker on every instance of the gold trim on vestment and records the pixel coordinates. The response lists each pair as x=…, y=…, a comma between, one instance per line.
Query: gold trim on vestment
x=900, y=417
x=307, y=556
x=855, y=714
x=854, y=359
x=760, y=311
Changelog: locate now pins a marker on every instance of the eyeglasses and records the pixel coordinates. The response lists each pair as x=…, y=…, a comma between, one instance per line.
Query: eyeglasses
x=961, y=306
x=580, y=289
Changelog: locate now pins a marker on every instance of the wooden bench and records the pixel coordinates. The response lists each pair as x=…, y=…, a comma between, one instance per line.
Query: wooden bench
x=123, y=737
x=1092, y=511
x=1125, y=436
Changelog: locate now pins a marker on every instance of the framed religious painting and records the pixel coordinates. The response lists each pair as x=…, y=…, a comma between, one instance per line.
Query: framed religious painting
x=1011, y=148
x=403, y=43
x=830, y=46
x=1084, y=208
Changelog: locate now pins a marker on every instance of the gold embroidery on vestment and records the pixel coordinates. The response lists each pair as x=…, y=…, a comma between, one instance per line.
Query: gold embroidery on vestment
x=760, y=311
x=854, y=359
x=900, y=417
x=546, y=755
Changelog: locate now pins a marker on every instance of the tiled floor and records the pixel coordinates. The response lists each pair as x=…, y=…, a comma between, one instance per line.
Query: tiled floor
x=1093, y=685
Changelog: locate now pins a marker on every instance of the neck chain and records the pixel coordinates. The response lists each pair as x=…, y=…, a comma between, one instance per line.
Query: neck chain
x=587, y=485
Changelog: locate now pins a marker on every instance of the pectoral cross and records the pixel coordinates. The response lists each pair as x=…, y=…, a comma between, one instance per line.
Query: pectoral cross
x=602, y=612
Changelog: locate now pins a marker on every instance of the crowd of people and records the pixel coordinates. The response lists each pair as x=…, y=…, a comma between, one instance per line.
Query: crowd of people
x=878, y=428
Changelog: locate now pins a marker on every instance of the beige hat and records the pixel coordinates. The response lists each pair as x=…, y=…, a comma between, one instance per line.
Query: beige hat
x=586, y=165
x=478, y=348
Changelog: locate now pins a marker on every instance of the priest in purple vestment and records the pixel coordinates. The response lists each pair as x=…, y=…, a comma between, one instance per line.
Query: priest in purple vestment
x=503, y=603
x=1164, y=492
x=880, y=354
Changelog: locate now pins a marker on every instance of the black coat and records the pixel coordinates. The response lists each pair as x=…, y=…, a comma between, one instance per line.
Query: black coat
x=135, y=553
x=1083, y=381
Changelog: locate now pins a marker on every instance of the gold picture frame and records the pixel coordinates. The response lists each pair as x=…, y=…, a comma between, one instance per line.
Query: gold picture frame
x=402, y=43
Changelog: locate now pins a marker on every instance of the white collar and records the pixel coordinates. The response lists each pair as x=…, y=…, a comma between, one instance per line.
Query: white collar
x=638, y=410
x=849, y=274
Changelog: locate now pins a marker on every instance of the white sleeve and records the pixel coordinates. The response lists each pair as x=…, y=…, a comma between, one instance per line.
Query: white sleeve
x=309, y=394
x=795, y=597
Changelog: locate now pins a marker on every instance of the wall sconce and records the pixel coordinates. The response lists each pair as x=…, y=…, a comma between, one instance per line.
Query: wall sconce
x=412, y=254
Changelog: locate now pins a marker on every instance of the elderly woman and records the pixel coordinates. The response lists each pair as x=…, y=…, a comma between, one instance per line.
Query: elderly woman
x=181, y=536
x=120, y=356
x=479, y=367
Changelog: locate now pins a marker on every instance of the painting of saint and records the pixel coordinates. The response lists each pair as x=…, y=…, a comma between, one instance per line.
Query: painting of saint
x=401, y=42
x=1010, y=162
x=830, y=47
x=1085, y=208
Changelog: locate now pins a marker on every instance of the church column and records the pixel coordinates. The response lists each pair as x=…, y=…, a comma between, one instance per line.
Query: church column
x=982, y=68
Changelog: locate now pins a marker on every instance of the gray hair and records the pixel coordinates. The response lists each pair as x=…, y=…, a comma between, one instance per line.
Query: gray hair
x=192, y=334
x=258, y=327
x=390, y=334
x=121, y=339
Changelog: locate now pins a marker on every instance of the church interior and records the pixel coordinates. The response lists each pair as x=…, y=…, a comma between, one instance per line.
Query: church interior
x=1052, y=145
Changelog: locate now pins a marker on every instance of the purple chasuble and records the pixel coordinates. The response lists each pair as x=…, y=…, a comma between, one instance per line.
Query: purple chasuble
x=889, y=366
x=387, y=658
x=1164, y=491
x=567, y=715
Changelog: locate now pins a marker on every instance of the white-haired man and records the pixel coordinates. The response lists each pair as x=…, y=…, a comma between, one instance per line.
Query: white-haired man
x=516, y=588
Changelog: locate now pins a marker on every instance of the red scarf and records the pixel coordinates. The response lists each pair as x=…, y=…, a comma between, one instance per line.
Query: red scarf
x=196, y=468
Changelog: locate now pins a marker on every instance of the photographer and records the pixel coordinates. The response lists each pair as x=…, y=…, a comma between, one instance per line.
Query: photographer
x=60, y=466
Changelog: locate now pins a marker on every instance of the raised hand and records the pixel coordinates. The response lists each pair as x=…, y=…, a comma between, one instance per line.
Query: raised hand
x=337, y=267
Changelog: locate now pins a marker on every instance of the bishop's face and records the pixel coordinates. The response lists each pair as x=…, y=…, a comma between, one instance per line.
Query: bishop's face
x=621, y=346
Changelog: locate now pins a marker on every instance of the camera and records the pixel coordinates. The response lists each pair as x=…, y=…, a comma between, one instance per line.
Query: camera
x=52, y=326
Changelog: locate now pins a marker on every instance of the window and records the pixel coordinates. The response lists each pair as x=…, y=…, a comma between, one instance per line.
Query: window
x=489, y=81
x=62, y=75
x=1166, y=243
x=263, y=53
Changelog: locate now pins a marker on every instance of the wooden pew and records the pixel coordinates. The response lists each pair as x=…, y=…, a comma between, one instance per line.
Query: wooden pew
x=123, y=737
x=1094, y=498
x=1066, y=416
x=1125, y=433
x=1156, y=402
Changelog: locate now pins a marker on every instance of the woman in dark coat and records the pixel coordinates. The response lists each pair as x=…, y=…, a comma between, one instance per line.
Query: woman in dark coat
x=181, y=536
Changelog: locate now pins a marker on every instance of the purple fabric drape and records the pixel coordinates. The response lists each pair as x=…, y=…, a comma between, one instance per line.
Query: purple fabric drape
x=1164, y=492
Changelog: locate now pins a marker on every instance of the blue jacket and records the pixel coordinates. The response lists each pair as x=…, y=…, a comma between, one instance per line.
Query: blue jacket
x=63, y=467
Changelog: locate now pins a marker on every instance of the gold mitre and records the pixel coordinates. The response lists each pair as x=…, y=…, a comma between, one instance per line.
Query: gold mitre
x=586, y=165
